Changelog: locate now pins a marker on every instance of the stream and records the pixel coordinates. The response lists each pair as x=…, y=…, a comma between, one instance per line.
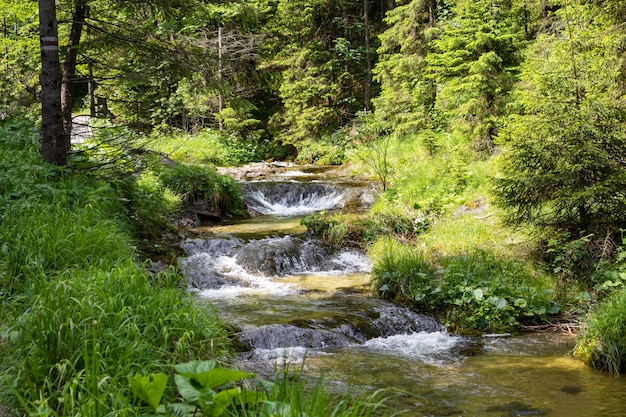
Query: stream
x=300, y=303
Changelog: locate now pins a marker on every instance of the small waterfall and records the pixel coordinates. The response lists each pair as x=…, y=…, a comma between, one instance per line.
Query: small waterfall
x=216, y=262
x=292, y=198
x=341, y=329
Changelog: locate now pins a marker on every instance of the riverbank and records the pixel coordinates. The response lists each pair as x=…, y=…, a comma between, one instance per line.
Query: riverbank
x=85, y=327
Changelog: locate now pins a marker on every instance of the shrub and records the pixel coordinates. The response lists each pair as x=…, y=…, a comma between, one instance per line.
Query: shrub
x=470, y=292
x=204, y=184
x=602, y=343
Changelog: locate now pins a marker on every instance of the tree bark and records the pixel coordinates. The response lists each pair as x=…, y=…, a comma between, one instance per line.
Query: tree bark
x=220, y=73
x=368, y=58
x=69, y=66
x=432, y=12
x=53, y=141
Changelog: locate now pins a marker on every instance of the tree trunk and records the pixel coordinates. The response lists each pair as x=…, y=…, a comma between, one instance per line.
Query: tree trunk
x=69, y=66
x=432, y=13
x=220, y=73
x=53, y=141
x=368, y=58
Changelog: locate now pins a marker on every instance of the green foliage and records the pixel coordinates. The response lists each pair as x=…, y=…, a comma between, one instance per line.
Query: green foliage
x=328, y=150
x=374, y=149
x=474, y=62
x=204, y=184
x=407, y=95
x=601, y=343
x=318, y=46
x=149, y=388
x=476, y=291
x=208, y=389
x=20, y=49
x=79, y=315
x=357, y=230
x=563, y=168
x=211, y=147
x=337, y=230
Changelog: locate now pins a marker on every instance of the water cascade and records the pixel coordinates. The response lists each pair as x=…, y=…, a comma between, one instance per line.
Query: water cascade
x=293, y=297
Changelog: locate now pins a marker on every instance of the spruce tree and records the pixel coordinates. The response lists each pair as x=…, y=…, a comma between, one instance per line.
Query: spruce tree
x=564, y=166
x=474, y=65
x=407, y=95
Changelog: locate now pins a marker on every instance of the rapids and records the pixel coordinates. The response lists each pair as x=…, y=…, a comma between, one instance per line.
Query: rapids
x=301, y=303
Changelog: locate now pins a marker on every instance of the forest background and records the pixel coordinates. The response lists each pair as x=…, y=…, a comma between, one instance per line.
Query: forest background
x=496, y=129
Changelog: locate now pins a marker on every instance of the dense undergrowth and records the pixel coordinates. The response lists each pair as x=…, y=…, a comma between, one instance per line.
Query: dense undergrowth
x=213, y=147
x=81, y=318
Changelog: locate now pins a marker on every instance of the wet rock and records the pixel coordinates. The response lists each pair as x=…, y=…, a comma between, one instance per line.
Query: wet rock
x=572, y=389
x=282, y=256
x=280, y=336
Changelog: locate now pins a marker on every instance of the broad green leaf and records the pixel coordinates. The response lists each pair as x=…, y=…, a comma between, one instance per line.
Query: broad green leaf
x=539, y=310
x=187, y=390
x=276, y=409
x=195, y=367
x=208, y=374
x=217, y=404
x=521, y=302
x=217, y=377
x=251, y=397
x=180, y=409
x=149, y=388
x=554, y=308
x=498, y=302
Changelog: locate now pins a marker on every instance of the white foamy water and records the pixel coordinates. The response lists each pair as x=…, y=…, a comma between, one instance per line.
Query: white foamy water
x=433, y=348
x=295, y=173
x=283, y=207
x=242, y=282
x=350, y=261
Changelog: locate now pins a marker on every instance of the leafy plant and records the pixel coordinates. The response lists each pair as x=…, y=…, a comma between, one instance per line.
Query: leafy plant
x=204, y=386
x=470, y=292
x=601, y=343
x=149, y=388
x=208, y=389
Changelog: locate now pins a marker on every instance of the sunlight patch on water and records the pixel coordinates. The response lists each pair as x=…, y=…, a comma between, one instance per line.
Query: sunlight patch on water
x=258, y=225
x=322, y=284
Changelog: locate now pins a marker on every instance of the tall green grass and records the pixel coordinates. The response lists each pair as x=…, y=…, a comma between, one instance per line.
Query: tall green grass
x=79, y=311
x=601, y=344
x=104, y=325
x=293, y=394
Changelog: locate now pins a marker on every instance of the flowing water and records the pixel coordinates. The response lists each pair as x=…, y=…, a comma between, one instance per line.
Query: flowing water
x=303, y=304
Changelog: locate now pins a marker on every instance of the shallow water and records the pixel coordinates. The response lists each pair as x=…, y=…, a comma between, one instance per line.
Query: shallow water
x=299, y=303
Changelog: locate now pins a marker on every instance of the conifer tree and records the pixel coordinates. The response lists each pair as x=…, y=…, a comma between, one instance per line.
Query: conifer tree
x=474, y=65
x=407, y=96
x=564, y=168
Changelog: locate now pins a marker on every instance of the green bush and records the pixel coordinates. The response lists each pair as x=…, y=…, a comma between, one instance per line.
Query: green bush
x=213, y=147
x=470, y=292
x=329, y=150
x=602, y=343
x=196, y=183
